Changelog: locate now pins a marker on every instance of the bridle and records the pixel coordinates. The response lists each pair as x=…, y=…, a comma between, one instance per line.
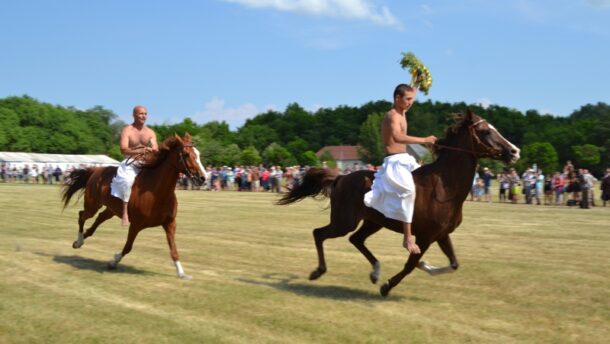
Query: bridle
x=488, y=150
x=182, y=156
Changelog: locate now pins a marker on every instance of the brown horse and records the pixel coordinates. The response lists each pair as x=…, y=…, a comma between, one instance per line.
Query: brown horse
x=441, y=189
x=152, y=202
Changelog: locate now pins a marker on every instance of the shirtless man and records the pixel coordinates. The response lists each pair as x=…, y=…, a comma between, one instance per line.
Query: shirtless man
x=393, y=190
x=136, y=140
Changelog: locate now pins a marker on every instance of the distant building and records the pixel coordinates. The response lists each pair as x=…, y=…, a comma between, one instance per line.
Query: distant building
x=347, y=156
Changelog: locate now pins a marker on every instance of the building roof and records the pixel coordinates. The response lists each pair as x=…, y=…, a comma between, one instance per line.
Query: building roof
x=341, y=152
x=43, y=158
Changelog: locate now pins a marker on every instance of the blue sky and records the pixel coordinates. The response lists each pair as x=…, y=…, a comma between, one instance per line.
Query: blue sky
x=232, y=59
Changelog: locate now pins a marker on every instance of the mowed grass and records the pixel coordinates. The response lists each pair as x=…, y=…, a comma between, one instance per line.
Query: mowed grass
x=529, y=274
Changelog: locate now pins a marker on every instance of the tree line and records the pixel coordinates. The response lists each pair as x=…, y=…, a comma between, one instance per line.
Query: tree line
x=292, y=136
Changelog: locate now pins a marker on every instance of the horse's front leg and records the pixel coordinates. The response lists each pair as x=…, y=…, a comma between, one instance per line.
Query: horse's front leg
x=170, y=233
x=447, y=248
x=131, y=237
x=409, y=266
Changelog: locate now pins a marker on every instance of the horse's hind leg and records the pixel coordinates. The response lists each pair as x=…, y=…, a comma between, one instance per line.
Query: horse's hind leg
x=170, y=234
x=447, y=248
x=409, y=266
x=131, y=237
x=101, y=217
x=83, y=215
x=321, y=234
x=367, y=229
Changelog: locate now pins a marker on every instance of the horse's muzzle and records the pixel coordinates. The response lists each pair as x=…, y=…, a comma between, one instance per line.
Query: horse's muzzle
x=198, y=180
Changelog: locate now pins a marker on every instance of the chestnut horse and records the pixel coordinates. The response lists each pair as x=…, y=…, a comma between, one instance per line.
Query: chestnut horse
x=153, y=199
x=441, y=189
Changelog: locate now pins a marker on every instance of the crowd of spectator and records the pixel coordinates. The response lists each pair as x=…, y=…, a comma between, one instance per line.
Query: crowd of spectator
x=571, y=186
x=35, y=174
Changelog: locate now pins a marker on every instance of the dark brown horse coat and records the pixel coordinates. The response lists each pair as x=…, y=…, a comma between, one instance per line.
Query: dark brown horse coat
x=441, y=189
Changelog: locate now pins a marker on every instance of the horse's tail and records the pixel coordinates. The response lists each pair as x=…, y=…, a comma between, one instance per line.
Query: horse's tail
x=315, y=182
x=77, y=180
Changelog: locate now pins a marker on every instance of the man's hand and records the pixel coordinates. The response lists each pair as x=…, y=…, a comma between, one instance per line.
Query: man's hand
x=431, y=139
x=411, y=246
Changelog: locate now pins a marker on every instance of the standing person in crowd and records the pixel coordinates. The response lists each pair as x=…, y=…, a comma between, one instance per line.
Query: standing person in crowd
x=605, y=187
x=475, y=180
x=504, y=183
x=256, y=179
x=588, y=180
x=265, y=179
x=57, y=174
x=584, y=189
x=538, y=185
x=3, y=172
x=279, y=174
x=394, y=178
x=548, y=190
x=558, y=187
x=136, y=140
x=487, y=177
x=515, y=186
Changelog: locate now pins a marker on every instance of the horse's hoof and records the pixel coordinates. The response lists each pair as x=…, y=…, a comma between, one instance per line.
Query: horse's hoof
x=385, y=289
x=112, y=265
x=186, y=277
x=316, y=274
x=76, y=244
x=374, y=277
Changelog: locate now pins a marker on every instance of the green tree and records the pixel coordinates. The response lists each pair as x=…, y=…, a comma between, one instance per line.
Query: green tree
x=370, y=139
x=309, y=158
x=231, y=155
x=328, y=158
x=586, y=155
x=257, y=136
x=250, y=156
x=275, y=154
x=542, y=154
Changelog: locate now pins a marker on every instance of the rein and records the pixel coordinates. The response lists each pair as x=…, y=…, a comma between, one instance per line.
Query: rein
x=475, y=140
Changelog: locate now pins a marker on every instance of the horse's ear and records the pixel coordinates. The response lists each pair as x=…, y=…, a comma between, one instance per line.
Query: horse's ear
x=469, y=115
x=178, y=138
x=457, y=116
x=187, y=138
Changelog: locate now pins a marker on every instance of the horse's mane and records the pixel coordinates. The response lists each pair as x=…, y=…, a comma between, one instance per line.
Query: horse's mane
x=153, y=160
x=450, y=133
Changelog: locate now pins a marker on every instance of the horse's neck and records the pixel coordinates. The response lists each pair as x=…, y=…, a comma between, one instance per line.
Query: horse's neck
x=165, y=176
x=457, y=171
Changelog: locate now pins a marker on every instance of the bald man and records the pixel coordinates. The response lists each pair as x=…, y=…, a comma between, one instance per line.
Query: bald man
x=136, y=140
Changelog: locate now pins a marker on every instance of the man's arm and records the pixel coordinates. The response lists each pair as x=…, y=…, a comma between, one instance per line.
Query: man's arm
x=153, y=141
x=399, y=136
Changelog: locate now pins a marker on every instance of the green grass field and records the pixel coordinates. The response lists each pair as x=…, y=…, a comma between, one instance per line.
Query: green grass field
x=529, y=274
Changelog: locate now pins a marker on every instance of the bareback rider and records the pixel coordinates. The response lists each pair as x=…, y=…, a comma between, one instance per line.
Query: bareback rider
x=136, y=140
x=393, y=189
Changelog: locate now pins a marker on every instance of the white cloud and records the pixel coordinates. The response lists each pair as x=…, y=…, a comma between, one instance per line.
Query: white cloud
x=485, y=102
x=348, y=9
x=599, y=3
x=215, y=110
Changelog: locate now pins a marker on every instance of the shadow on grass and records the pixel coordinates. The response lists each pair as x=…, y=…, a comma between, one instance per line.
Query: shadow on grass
x=95, y=265
x=287, y=283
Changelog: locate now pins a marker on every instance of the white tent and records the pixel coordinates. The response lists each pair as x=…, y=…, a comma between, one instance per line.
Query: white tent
x=64, y=161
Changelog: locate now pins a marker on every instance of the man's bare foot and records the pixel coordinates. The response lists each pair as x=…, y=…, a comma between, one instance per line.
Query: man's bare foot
x=411, y=246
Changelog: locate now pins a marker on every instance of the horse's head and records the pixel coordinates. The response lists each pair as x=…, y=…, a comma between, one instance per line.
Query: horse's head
x=486, y=140
x=188, y=157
